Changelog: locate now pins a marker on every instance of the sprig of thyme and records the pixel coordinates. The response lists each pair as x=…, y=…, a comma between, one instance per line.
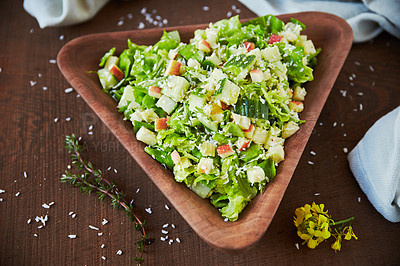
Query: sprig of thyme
x=92, y=180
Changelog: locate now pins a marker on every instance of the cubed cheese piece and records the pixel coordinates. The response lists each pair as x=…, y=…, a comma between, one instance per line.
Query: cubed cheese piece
x=205, y=165
x=255, y=174
x=176, y=88
x=296, y=106
x=207, y=149
x=257, y=75
x=271, y=54
x=242, y=121
x=276, y=153
x=147, y=136
x=260, y=135
x=149, y=115
x=166, y=103
x=176, y=158
x=242, y=144
x=215, y=112
x=214, y=59
x=211, y=37
x=229, y=92
x=299, y=93
x=136, y=116
x=289, y=129
x=217, y=75
x=273, y=140
x=225, y=150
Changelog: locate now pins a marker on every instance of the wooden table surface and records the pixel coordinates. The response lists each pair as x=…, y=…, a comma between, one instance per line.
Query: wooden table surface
x=37, y=114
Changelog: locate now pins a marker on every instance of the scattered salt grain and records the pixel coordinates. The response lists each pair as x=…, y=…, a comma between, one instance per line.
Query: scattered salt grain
x=68, y=119
x=90, y=127
x=33, y=83
x=178, y=240
x=361, y=107
x=310, y=162
x=72, y=236
x=102, y=245
x=68, y=90
x=31, y=31
x=371, y=68
x=345, y=150
x=17, y=194
x=1, y=70
x=137, y=190
x=93, y=227
x=229, y=14
x=297, y=245
x=360, y=93
x=104, y=258
x=115, y=170
x=52, y=61
x=44, y=205
x=148, y=210
x=100, y=234
x=334, y=124
x=165, y=21
x=165, y=232
x=205, y=8
x=35, y=235
x=226, y=219
x=143, y=11
x=317, y=194
x=313, y=153
x=61, y=37
x=104, y=222
x=171, y=241
x=90, y=133
x=357, y=63
x=166, y=207
x=120, y=23
x=25, y=175
x=141, y=26
x=351, y=78
x=359, y=199
x=55, y=120
x=119, y=252
x=29, y=221
x=162, y=238
x=343, y=92
x=109, y=168
x=165, y=225
x=173, y=226
x=2, y=191
x=70, y=213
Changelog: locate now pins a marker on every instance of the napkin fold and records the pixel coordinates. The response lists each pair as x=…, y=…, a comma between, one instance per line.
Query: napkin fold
x=62, y=12
x=375, y=163
x=367, y=18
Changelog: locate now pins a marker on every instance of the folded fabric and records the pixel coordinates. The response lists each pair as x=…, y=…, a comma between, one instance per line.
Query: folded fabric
x=367, y=18
x=62, y=12
x=375, y=163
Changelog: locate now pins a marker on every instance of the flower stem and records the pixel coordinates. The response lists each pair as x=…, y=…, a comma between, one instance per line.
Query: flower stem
x=349, y=220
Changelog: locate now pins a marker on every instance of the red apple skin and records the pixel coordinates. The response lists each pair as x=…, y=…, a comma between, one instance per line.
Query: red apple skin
x=173, y=68
x=274, y=38
x=244, y=146
x=160, y=124
x=249, y=129
x=204, y=46
x=249, y=46
x=224, y=150
x=116, y=72
x=155, y=91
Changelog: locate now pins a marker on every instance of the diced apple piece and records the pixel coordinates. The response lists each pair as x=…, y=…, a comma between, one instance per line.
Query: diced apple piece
x=155, y=92
x=212, y=34
x=147, y=136
x=196, y=101
x=176, y=158
x=260, y=135
x=273, y=141
x=225, y=151
x=136, y=116
x=290, y=92
x=242, y=121
x=117, y=72
x=173, y=68
x=276, y=153
x=271, y=54
x=207, y=149
x=249, y=46
x=149, y=115
x=172, y=54
x=249, y=133
x=274, y=38
x=193, y=63
x=217, y=75
x=204, y=46
x=289, y=129
x=214, y=59
x=255, y=174
x=160, y=124
x=257, y=75
x=205, y=165
x=176, y=88
x=107, y=80
x=166, y=103
x=126, y=96
x=111, y=61
x=299, y=93
x=296, y=106
x=216, y=113
x=242, y=144
x=230, y=92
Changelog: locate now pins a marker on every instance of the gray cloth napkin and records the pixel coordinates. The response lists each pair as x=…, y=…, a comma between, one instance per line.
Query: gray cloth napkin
x=375, y=163
x=367, y=18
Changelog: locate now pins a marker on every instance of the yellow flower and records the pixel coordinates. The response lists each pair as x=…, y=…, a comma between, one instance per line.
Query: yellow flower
x=337, y=244
x=319, y=208
x=349, y=233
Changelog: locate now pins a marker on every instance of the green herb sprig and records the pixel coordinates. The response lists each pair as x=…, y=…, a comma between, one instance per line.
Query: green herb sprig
x=92, y=180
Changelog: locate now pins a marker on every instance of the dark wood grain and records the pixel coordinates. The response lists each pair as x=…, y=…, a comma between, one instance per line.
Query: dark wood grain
x=332, y=34
x=32, y=142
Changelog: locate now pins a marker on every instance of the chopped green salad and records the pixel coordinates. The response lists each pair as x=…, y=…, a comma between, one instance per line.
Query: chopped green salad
x=217, y=110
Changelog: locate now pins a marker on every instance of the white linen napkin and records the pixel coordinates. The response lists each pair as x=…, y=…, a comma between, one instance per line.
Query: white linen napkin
x=62, y=12
x=367, y=18
x=375, y=163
